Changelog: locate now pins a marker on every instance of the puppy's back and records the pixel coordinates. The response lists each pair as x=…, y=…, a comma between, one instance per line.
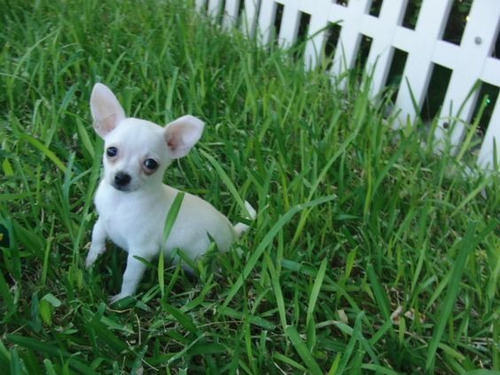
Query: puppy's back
x=197, y=223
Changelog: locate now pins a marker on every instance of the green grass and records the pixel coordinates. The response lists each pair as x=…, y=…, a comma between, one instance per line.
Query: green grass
x=356, y=222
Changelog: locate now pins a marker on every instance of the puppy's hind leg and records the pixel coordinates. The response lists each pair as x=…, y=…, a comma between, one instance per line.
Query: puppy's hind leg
x=241, y=228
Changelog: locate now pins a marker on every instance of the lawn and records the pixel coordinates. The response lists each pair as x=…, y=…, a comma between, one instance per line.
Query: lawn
x=370, y=254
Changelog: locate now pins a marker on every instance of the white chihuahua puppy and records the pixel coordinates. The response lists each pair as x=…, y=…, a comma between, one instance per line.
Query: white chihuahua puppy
x=131, y=200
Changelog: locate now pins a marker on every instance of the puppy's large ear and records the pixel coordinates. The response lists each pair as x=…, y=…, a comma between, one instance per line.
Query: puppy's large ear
x=182, y=134
x=106, y=110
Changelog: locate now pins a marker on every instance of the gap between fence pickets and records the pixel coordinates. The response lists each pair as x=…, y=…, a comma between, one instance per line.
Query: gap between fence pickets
x=469, y=62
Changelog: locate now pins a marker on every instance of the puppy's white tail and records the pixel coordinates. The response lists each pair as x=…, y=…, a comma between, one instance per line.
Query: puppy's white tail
x=241, y=228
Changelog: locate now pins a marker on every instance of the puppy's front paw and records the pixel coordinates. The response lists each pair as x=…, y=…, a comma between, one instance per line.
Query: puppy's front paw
x=90, y=260
x=117, y=297
x=93, y=254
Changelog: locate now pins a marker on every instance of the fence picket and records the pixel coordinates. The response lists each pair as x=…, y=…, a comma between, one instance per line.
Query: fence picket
x=200, y=4
x=382, y=50
x=348, y=44
x=231, y=13
x=266, y=20
x=250, y=16
x=418, y=68
x=214, y=7
x=491, y=141
x=468, y=65
x=289, y=23
x=316, y=32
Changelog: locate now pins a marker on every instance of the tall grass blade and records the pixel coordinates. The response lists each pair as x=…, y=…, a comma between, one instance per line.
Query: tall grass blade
x=467, y=245
x=182, y=318
x=266, y=241
x=45, y=151
x=169, y=224
x=108, y=337
x=349, y=350
x=278, y=293
x=302, y=350
x=225, y=179
x=316, y=289
x=380, y=296
x=290, y=362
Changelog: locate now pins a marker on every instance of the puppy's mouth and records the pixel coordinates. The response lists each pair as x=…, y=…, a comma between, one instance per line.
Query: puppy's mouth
x=121, y=188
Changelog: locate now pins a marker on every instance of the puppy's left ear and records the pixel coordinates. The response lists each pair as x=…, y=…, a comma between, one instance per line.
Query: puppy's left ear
x=182, y=134
x=106, y=110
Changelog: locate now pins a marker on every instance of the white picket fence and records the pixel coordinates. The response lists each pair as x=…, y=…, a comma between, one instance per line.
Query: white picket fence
x=470, y=61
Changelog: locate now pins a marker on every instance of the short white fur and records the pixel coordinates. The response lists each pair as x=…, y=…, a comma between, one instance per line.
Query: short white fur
x=131, y=200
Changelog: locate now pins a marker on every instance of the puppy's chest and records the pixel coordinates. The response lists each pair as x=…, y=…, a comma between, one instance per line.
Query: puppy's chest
x=130, y=221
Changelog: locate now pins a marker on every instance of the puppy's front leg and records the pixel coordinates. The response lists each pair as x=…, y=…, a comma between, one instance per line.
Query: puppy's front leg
x=131, y=277
x=98, y=245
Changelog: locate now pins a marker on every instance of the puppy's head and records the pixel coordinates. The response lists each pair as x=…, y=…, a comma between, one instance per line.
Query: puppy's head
x=137, y=152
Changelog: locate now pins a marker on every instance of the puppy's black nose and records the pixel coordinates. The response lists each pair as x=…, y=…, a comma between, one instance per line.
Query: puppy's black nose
x=122, y=179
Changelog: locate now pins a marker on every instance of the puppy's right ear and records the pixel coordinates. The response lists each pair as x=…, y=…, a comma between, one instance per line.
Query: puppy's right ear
x=106, y=110
x=182, y=134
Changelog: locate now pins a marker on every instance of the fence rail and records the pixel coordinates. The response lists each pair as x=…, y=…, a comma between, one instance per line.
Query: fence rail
x=471, y=62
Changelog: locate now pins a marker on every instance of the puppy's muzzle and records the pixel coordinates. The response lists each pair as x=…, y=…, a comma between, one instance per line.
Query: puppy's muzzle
x=122, y=181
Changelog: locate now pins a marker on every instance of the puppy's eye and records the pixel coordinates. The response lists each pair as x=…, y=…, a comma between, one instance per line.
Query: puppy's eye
x=112, y=151
x=150, y=164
